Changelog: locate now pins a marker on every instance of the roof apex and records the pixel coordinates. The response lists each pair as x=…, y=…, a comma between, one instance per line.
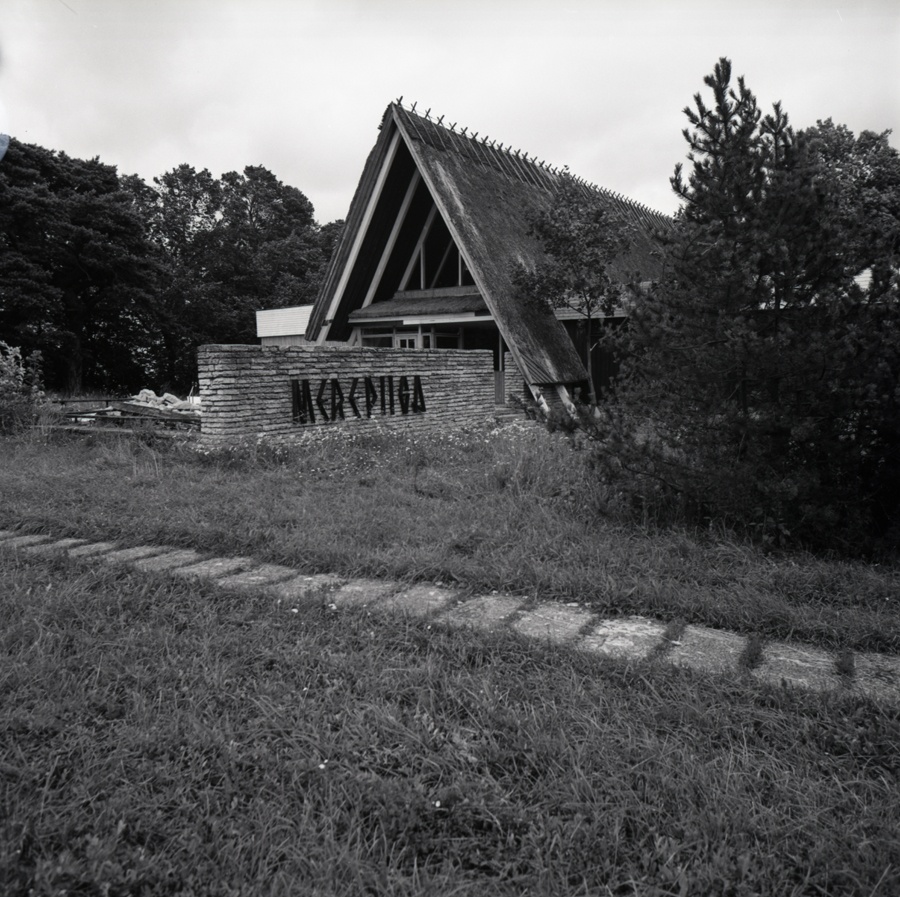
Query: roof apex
x=513, y=164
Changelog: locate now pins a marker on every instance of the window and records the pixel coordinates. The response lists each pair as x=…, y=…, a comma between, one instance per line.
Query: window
x=377, y=338
x=451, y=339
x=425, y=336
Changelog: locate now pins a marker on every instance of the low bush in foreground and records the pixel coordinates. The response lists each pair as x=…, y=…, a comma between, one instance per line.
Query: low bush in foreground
x=157, y=737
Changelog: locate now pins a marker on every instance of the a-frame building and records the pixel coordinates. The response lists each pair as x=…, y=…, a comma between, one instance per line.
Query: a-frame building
x=439, y=222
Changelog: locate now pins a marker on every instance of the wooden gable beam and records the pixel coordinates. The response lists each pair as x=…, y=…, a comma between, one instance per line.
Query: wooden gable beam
x=419, y=244
x=463, y=254
x=440, y=267
x=457, y=237
x=392, y=238
x=358, y=240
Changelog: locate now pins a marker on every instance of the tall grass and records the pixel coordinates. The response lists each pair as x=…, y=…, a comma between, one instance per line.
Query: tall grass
x=513, y=509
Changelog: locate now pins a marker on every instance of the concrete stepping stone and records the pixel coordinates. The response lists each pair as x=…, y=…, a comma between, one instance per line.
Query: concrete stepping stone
x=798, y=666
x=362, y=592
x=172, y=558
x=420, y=600
x=877, y=676
x=128, y=555
x=213, y=568
x=91, y=549
x=49, y=548
x=631, y=638
x=483, y=612
x=554, y=622
x=702, y=648
x=302, y=586
x=25, y=542
x=263, y=575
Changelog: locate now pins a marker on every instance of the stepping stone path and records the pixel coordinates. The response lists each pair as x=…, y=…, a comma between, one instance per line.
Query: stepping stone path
x=632, y=639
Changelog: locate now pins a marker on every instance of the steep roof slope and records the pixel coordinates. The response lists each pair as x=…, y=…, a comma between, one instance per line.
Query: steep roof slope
x=487, y=196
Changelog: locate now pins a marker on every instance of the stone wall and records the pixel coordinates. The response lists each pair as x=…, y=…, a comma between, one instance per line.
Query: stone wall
x=282, y=391
x=514, y=386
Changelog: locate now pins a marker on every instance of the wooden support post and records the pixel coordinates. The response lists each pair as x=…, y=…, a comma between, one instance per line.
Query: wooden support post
x=440, y=267
x=392, y=238
x=360, y=234
x=404, y=281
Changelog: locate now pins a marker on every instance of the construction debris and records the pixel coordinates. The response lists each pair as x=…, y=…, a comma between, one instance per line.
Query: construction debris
x=165, y=402
x=144, y=408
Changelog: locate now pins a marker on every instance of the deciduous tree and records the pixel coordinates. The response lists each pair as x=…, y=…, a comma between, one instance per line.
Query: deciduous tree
x=75, y=269
x=117, y=281
x=582, y=237
x=229, y=247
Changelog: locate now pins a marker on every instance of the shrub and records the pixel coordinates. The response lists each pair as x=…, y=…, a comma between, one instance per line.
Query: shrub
x=20, y=388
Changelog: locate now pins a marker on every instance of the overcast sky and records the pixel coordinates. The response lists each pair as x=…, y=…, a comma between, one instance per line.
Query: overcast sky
x=299, y=86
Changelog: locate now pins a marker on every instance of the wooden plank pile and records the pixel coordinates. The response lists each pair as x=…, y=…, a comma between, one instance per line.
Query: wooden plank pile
x=145, y=409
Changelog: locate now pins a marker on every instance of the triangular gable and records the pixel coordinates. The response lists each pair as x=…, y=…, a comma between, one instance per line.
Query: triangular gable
x=484, y=198
x=488, y=217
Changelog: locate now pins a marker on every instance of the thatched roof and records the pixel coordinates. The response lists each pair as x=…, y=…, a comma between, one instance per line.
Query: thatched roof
x=487, y=196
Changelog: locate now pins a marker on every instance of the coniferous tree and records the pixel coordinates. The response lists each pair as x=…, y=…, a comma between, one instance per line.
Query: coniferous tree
x=760, y=380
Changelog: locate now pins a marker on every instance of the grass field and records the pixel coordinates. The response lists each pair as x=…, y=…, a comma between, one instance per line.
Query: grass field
x=159, y=737
x=513, y=509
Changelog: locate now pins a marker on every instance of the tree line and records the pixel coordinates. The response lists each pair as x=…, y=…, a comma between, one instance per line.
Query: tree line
x=115, y=281
x=759, y=377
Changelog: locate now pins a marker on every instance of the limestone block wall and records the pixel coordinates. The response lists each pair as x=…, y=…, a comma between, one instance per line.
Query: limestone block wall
x=279, y=391
x=513, y=381
x=516, y=388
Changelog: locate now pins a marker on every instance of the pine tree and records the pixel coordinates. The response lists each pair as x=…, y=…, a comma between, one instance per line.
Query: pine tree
x=746, y=372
